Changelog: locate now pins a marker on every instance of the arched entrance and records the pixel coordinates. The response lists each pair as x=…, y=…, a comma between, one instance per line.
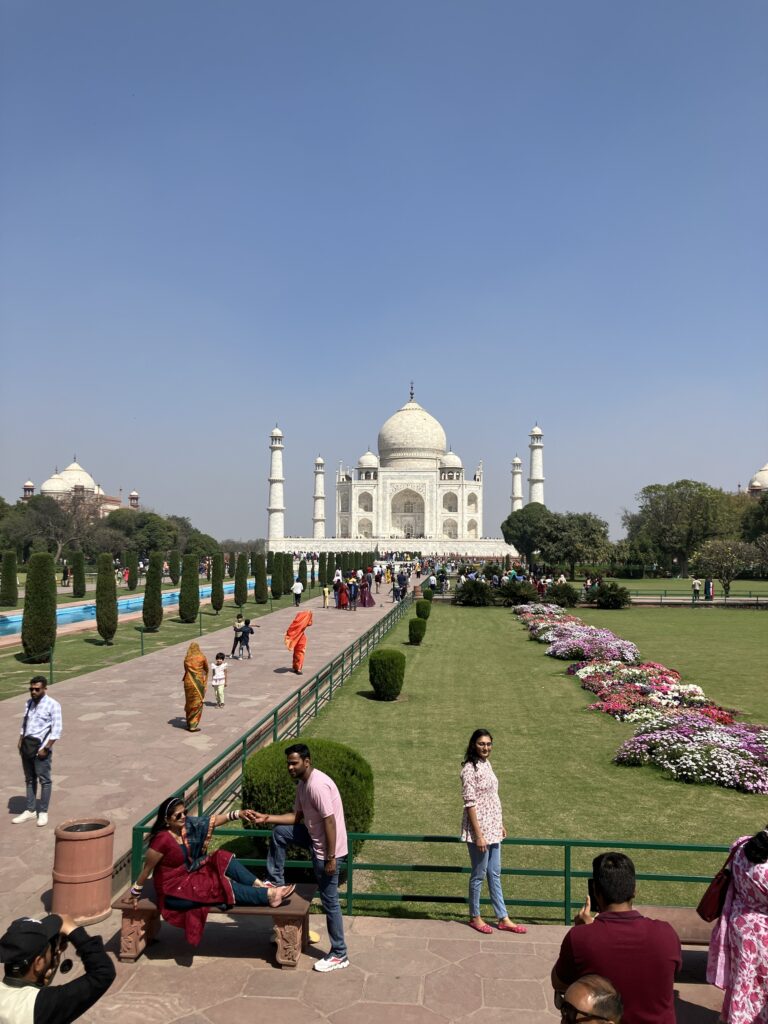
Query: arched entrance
x=407, y=514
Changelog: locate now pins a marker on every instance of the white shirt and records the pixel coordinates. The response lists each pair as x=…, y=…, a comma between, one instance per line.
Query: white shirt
x=297, y=587
x=219, y=677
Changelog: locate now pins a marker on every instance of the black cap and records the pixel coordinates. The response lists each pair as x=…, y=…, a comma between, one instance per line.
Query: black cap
x=27, y=938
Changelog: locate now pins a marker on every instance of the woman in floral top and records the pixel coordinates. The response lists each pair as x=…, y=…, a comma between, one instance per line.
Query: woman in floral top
x=482, y=829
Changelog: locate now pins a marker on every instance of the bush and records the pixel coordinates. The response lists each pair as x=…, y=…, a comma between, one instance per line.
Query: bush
x=268, y=786
x=423, y=609
x=9, y=587
x=132, y=565
x=78, y=574
x=416, y=630
x=427, y=593
x=277, y=575
x=152, y=609
x=189, y=595
x=260, y=592
x=217, y=583
x=519, y=593
x=174, y=566
x=563, y=594
x=241, y=580
x=610, y=595
x=474, y=594
x=38, y=625
x=106, y=597
x=386, y=673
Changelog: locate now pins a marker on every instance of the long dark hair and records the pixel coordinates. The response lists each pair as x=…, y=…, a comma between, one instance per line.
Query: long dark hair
x=472, y=756
x=756, y=849
x=160, y=823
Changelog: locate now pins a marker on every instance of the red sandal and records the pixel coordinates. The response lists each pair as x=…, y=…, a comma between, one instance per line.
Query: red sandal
x=518, y=929
x=484, y=928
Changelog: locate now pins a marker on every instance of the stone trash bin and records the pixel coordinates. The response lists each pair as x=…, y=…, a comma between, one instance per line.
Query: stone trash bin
x=82, y=869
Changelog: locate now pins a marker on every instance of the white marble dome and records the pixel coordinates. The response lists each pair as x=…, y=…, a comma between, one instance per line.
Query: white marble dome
x=368, y=460
x=759, y=481
x=451, y=461
x=411, y=438
x=75, y=476
x=55, y=485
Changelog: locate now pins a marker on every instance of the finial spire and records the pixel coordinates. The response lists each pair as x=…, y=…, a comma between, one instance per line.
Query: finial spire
x=411, y=394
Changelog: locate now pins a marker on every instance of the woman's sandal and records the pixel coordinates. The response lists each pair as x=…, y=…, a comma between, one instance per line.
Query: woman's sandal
x=518, y=929
x=285, y=891
x=484, y=928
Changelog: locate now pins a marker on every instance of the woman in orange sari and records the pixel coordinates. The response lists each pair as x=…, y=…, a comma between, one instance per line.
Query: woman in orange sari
x=195, y=682
x=296, y=640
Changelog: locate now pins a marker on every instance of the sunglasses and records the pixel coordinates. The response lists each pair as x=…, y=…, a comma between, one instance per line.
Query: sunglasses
x=571, y=1014
x=177, y=816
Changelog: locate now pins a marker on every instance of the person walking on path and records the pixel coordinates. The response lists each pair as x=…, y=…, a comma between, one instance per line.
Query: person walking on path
x=297, y=590
x=195, y=683
x=696, y=588
x=326, y=595
x=39, y=731
x=237, y=626
x=482, y=829
x=246, y=632
x=316, y=823
x=296, y=640
x=219, y=678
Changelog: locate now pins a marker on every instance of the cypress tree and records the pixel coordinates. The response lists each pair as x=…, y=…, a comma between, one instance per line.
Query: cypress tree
x=232, y=564
x=260, y=593
x=78, y=574
x=38, y=625
x=303, y=572
x=132, y=564
x=106, y=598
x=9, y=588
x=270, y=561
x=152, y=609
x=174, y=562
x=312, y=575
x=321, y=569
x=189, y=595
x=241, y=580
x=288, y=576
x=277, y=575
x=217, y=582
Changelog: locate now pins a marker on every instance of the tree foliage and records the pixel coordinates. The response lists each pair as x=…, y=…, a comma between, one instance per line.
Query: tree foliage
x=754, y=522
x=132, y=565
x=241, y=579
x=174, y=566
x=78, y=574
x=260, y=591
x=38, y=624
x=277, y=575
x=303, y=573
x=9, y=587
x=217, y=582
x=106, y=597
x=152, y=609
x=189, y=595
x=288, y=576
x=725, y=560
x=577, y=537
x=529, y=530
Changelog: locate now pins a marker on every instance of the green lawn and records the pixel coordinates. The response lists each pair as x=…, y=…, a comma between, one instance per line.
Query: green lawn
x=81, y=652
x=476, y=668
x=675, y=587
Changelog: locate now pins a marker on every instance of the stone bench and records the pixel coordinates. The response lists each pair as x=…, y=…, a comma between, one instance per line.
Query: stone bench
x=690, y=928
x=141, y=923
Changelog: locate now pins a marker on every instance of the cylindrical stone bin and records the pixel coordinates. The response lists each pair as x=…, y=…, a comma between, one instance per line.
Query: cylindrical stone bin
x=82, y=869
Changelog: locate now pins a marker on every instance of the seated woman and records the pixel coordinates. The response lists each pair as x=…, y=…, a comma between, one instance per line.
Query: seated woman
x=188, y=881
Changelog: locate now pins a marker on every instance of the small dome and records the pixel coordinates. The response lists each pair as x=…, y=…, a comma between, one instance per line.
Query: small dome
x=517, y=461
x=451, y=461
x=537, y=431
x=133, y=494
x=29, y=484
x=75, y=476
x=319, y=461
x=411, y=438
x=759, y=481
x=55, y=485
x=368, y=461
x=277, y=432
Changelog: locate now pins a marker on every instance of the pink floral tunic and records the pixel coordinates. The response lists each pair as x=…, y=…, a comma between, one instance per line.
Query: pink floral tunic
x=480, y=789
x=738, y=949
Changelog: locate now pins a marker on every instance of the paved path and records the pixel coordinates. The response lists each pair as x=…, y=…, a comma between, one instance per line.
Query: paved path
x=125, y=745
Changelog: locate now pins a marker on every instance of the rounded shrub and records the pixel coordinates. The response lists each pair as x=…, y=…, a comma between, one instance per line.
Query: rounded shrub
x=106, y=597
x=427, y=593
x=386, y=673
x=268, y=786
x=78, y=574
x=611, y=596
x=9, y=587
x=416, y=630
x=423, y=609
x=174, y=566
x=260, y=592
x=241, y=579
x=38, y=625
x=217, y=582
x=189, y=595
x=563, y=594
x=277, y=575
x=152, y=609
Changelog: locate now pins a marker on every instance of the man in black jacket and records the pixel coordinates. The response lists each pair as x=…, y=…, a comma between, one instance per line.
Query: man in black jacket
x=31, y=951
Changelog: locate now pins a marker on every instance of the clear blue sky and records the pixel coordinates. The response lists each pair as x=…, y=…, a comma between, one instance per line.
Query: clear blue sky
x=218, y=216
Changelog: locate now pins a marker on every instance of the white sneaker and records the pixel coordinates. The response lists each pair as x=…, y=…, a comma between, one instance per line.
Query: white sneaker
x=331, y=963
x=24, y=816
x=42, y=819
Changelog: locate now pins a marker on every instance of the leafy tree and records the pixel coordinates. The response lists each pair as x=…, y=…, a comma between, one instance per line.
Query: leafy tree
x=78, y=574
x=529, y=530
x=288, y=576
x=303, y=572
x=754, y=523
x=577, y=537
x=679, y=517
x=260, y=592
x=152, y=609
x=9, y=588
x=132, y=564
x=217, y=582
x=725, y=560
x=189, y=595
x=106, y=597
x=174, y=566
x=277, y=575
x=241, y=580
x=38, y=625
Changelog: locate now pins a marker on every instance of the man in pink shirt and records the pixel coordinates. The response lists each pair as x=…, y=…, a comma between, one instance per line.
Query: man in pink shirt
x=317, y=824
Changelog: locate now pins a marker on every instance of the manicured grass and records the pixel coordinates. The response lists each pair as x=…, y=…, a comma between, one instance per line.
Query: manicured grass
x=675, y=587
x=476, y=668
x=81, y=652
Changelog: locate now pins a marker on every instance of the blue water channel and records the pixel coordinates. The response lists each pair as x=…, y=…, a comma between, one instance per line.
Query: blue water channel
x=11, y=624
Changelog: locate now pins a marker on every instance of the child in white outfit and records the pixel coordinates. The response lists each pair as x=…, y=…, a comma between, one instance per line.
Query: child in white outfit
x=219, y=678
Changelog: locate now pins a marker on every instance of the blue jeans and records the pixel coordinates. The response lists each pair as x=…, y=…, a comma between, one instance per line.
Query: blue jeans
x=246, y=894
x=38, y=769
x=284, y=836
x=488, y=863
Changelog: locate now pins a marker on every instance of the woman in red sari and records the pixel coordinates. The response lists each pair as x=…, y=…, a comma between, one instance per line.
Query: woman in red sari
x=189, y=882
x=343, y=596
x=195, y=682
x=296, y=640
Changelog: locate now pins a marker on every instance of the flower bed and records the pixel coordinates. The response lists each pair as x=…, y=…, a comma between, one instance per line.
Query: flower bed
x=587, y=643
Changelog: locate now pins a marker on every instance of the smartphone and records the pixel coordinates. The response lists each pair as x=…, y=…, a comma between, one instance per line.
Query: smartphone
x=592, y=895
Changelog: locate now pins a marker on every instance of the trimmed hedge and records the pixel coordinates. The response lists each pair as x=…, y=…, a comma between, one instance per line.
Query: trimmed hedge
x=9, y=587
x=217, y=582
x=152, y=609
x=268, y=786
x=416, y=630
x=386, y=672
x=38, y=625
x=189, y=595
x=106, y=597
x=78, y=574
x=427, y=593
x=423, y=609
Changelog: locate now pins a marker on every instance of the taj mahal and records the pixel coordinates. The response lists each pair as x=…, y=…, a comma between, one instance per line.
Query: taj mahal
x=414, y=494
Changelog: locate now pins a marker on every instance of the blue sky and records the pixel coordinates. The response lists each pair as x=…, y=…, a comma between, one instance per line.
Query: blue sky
x=218, y=216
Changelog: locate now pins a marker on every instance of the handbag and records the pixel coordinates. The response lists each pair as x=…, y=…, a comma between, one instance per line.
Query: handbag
x=31, y=744
x=712, y=902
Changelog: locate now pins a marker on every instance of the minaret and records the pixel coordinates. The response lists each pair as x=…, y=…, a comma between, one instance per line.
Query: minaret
x=536, y=476
x=318, y=511
x=276, y=508
x=517, y=483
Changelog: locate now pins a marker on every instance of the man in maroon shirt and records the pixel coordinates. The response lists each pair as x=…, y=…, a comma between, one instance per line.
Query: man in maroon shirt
x=638, y=955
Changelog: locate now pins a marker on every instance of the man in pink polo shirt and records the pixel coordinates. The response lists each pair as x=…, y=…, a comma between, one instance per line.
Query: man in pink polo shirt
x=317, y=824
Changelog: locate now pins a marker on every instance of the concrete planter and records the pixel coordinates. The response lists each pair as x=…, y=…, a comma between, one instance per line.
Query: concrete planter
x=82, y=869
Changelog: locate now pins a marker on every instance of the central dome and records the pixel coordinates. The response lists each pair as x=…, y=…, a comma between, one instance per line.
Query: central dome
x=411, y=439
